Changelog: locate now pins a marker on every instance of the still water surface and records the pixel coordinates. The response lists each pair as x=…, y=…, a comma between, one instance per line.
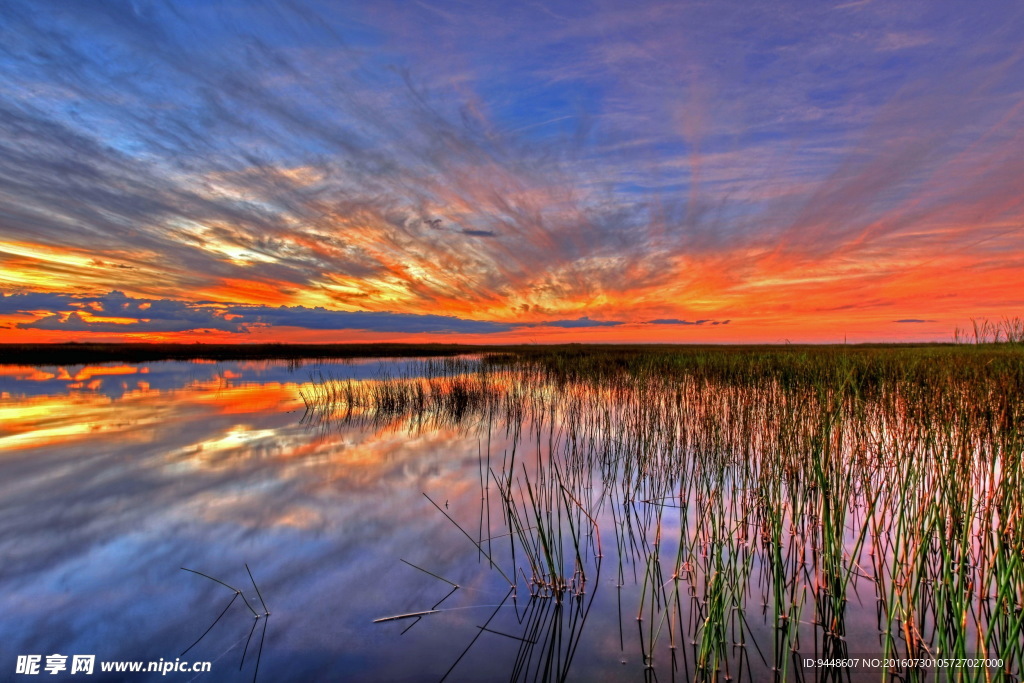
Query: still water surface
x=113, y=477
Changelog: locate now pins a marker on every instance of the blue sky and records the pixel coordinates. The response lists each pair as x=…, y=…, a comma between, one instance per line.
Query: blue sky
x=800, y=166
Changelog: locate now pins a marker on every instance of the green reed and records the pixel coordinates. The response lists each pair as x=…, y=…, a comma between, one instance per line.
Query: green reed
x=871, y=480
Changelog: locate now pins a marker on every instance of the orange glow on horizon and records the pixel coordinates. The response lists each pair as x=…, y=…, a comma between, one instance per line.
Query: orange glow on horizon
x=769, y=297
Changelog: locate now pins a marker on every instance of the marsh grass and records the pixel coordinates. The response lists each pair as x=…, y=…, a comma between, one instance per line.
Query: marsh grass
x=754, y=498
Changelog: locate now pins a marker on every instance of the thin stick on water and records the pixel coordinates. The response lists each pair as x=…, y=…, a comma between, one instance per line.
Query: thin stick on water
x=265, y=609
x=237, y=591
x=439, y=578
x=231, y=602
x=482, y=629
x=478, y=545
x=410, y=615
x=259, y=655
x=247, y=641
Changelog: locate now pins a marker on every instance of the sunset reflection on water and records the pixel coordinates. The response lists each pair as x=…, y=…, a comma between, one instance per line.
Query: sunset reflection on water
x=114, y=477
x=363, y=494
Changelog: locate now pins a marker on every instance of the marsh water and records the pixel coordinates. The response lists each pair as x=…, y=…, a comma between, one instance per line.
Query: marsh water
x=546, y=530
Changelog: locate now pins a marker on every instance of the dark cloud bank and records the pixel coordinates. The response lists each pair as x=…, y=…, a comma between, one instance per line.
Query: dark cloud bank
x=69, y=313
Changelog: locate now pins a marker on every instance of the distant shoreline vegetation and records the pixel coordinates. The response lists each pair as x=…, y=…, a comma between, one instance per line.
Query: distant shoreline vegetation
x=997, y=336
x=985, y=331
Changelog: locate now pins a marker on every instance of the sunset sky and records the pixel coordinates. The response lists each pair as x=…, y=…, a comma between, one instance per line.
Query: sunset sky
x=485, y=172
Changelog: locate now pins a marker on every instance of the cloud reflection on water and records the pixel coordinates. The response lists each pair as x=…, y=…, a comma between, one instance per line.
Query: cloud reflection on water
x=105, y=496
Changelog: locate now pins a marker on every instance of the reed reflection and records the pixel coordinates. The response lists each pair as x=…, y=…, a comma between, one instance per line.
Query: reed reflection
x=686, y=516
x=756, y=512
x=103, y=498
